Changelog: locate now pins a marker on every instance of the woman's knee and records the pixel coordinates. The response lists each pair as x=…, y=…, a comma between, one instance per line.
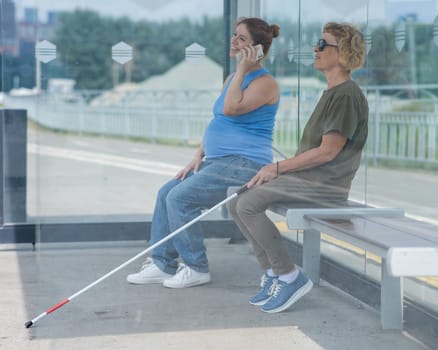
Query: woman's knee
x=248, y=204
x=181, y=198
x=173, y=196
x=164, y=190
x=231, y=207
x=243, y=207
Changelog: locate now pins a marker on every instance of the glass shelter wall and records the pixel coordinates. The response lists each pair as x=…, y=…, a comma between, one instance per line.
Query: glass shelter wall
x=399, y=165
x=118, y=95
x=109, y=92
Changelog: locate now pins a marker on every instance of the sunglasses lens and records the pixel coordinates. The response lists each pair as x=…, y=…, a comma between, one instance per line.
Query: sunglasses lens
x=321, y=44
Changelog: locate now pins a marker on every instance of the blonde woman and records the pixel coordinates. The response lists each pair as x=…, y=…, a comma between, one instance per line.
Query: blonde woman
x=319, y=174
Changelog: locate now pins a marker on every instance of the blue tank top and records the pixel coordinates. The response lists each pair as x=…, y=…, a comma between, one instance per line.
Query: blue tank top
x=248, y=135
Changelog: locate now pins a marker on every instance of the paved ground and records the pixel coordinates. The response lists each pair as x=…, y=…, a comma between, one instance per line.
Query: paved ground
x=116, y=315
x=100, y=176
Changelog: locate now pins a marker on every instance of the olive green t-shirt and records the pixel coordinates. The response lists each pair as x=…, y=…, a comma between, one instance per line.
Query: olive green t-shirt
x=344, y=109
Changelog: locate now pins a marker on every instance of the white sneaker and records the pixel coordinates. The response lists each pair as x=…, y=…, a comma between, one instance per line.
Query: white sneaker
x=186, y=277
x=149, y=273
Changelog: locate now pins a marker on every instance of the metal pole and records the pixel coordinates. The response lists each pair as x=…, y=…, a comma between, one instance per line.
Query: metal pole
x=227, y=35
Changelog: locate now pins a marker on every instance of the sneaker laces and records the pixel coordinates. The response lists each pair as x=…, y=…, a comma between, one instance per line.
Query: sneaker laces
x=148, y=262
x=274, y=289
x=263, y=280
x=181, y=266
x=183, y=272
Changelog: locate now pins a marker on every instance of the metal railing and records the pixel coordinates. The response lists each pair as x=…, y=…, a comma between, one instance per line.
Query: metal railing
x=182, y=116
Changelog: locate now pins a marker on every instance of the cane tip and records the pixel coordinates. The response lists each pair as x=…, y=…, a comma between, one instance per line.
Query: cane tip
x=28, y=324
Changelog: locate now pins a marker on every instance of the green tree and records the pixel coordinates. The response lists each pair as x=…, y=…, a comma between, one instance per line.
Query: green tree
x=386, y=64
x=84, y=41
x=9, y=69
x=85, y=48
x=210, y=34
x=425, y=54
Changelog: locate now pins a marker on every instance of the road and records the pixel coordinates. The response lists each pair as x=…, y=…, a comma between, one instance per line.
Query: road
x=71, y=175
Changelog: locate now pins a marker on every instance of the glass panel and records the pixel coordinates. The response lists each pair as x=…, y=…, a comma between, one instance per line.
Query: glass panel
x=402, y=89
x=400, y=162
x=303, y=85
x=403, y=138
x=284, y=54
x=116, y=96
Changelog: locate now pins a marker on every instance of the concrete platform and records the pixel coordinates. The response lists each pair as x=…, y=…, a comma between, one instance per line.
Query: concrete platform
x=116, y=315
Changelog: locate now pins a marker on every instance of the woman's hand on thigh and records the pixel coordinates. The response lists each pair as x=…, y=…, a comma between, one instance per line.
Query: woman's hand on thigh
x=265, y=174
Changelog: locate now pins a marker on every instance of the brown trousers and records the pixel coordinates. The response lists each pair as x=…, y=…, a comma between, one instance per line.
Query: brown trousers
x=249, y=213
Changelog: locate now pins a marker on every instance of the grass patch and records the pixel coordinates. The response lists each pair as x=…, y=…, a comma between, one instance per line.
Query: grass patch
x=416, y=106
x=404, y=164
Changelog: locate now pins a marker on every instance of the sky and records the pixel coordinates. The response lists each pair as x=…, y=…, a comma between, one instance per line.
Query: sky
x=321, y=10
x=169, y=9
x=136, y=9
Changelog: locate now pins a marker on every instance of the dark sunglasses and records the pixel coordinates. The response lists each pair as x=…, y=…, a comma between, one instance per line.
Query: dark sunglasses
x=322, y=44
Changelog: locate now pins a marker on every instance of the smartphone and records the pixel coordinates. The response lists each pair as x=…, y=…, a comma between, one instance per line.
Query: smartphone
x=259, y=56
x=260, y=53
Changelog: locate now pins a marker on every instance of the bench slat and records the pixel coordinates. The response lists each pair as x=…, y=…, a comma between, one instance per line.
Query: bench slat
x=373, y=233
x=414, y=227
x=298, y=216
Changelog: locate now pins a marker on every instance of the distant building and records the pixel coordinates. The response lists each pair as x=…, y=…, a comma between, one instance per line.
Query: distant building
x=31, y=30
x=31, y=15
x=19, y=38
x=419, y=10
x=8, y=39
x=52, y=18
x=27, y=31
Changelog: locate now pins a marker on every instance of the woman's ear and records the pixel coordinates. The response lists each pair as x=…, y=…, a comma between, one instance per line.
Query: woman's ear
x=343, y=61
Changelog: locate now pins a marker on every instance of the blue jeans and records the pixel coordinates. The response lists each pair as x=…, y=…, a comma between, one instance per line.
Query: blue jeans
x=180, y=201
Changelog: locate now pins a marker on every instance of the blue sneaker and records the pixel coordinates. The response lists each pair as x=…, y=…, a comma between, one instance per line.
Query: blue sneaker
x=263, y=296
x=284, y=294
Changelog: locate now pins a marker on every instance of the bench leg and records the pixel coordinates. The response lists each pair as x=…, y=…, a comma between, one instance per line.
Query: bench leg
x=391, y=300
x=312, y=254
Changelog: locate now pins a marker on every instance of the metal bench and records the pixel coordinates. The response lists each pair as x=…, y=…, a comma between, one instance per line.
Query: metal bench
x=407, y=247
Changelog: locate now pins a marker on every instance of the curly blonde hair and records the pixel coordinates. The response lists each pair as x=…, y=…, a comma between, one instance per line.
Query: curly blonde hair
x=351, y=44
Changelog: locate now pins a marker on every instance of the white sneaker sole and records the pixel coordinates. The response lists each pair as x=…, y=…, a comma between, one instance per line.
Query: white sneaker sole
x=298, y=295
x=169, y=284
x=152, y=280
x=259, y=303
